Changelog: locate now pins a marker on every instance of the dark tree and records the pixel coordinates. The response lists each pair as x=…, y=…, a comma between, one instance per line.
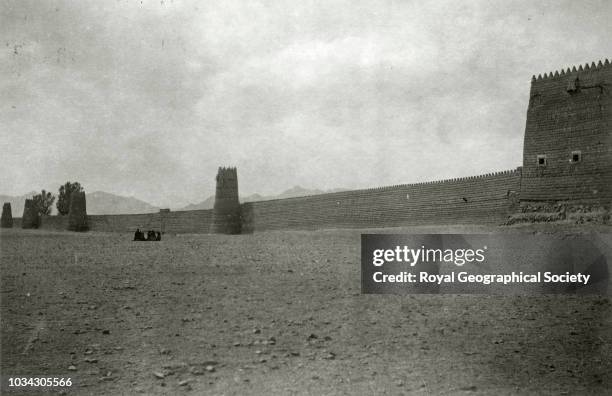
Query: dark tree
x=43, y=202
x=63, y=200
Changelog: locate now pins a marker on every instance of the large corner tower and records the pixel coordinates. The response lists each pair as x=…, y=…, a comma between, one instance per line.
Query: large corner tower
x=567, y=152
x=226, y=212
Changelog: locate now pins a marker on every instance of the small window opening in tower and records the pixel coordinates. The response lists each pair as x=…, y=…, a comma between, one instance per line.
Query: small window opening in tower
x=576, y=156
x=573, y=86
x=541, y=160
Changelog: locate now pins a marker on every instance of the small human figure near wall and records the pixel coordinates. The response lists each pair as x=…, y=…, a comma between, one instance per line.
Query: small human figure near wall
x=138, y=235
x=150, y=236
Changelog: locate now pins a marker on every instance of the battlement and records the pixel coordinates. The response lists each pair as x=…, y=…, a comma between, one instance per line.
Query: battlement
x=574, y=71
x=227, y=170
x=227, y=173
x=226, y=211
x=457, y=180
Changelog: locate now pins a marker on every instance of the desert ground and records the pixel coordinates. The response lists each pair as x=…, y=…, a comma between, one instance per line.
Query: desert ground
x=276, y=313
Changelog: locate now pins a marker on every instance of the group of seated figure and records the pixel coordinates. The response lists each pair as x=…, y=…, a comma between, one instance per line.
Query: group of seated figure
x=151, y=235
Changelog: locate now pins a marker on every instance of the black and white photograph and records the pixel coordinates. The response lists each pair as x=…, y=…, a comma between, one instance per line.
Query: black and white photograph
x=268, y=197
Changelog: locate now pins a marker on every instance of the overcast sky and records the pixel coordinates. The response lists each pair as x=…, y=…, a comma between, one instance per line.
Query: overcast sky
x=148, y=98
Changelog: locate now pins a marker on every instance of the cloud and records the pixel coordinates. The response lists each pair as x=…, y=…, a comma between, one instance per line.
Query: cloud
x=149, y=98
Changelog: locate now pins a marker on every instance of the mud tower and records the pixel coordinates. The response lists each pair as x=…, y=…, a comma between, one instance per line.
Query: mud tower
x=567, y=154
x=77, y=215
x=30, y=218
x=7, y=216
x=226, y=212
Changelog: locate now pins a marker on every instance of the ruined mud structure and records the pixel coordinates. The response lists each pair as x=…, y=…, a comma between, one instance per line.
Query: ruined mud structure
x=77, y=213
x=7, y=216
x=30, y=218
x=566, y=171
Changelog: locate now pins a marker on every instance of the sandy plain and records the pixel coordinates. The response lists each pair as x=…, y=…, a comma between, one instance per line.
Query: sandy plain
x=276, y=313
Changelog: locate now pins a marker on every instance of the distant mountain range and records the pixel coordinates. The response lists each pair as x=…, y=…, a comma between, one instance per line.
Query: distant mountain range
x=100, y=202
x=296, y=191
x=17, y=202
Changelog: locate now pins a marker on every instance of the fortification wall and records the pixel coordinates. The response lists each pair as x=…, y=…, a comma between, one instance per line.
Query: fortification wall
x=183, y=222
x=103, y=223
x=54, y=223
x=189, y=222
x=569, y=111
x=124, y=223
x=485, y=199
x=481, y=199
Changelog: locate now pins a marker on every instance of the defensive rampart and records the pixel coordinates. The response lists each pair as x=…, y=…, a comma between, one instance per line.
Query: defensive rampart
x=182, y=222
x=484, y=199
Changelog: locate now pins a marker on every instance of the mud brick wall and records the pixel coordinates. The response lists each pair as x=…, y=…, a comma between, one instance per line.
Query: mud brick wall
x=123, y=223
x=54, y=223
x=188, y=222
x=569, y=111
x=482, y=199
x=185, y=222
